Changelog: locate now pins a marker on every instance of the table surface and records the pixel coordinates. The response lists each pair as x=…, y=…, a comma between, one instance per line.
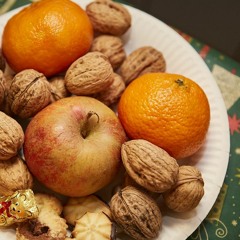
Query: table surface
x=223, y=221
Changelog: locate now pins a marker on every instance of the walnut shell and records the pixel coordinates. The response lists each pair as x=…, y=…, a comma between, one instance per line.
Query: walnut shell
x=58, y=88
x=111, y=47
x=89, y=74
x=112, y=94
x=187, y=192
x=136, y=213
x=142, y=60
x=149, y=165
x=11, y=137
x=14, y=175
x=2, y=88
x=109, y=17
x=6, y=81
x=128, y=181
x=29, y=93
x=2, y=62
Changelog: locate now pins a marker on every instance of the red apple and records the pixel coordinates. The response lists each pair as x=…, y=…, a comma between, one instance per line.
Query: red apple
x=73, y=146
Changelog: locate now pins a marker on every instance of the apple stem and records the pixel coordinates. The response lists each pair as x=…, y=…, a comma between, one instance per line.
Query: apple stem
x=87, y=125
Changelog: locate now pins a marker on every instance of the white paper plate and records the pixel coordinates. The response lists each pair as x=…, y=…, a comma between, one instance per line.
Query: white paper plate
x=212, y=159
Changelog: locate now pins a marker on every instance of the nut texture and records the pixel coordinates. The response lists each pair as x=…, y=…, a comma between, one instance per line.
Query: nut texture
x=89, y=74
x=58, y=88
x=187, y=192
x=128, y=181
x=111, y=47
x=2, y=62
x=136, y=213
x=109, y=17
x=6, y=80
x=11, y=137
x=14, y=175
x=112, y=94
x=29, y=93
x=149, y=165
x=142, y=60
x=2, y=88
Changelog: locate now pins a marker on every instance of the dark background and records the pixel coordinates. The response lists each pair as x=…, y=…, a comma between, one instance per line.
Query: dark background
x=213, y=22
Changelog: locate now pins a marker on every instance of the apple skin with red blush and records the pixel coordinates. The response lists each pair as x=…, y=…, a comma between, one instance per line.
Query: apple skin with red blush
x=73, y=146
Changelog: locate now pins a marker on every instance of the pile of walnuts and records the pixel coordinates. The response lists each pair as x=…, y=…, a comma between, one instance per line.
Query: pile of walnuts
x=102, y=73
x=151, y=174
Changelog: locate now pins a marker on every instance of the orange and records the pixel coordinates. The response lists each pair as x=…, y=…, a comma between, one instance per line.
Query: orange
x=47, y=36
x=169, y=110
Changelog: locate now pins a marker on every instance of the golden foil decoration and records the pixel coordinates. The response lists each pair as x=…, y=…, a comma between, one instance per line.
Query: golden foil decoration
x=18, y=207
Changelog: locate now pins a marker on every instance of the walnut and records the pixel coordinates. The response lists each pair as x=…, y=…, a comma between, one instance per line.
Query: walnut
x=14, y=175
x=140, y=61
x=58, y=88
x=5, y=83
x=89, y=74
x=187, y=192
x=112, y=94
x=128, y=181
x=109, y=17
x=2, y=88
x=149, y=165
x=29, y=93
x=111, y=47
x=11, y=137
x=136, y=213
x=2, y=62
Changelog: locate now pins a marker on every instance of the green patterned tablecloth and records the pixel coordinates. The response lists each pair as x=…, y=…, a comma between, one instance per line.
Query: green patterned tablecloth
x=223, y=221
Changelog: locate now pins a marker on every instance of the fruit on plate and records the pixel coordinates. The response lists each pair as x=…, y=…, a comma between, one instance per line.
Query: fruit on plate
x=169, y=110
x=73, y=145
x=93, y=226
x=43, y=37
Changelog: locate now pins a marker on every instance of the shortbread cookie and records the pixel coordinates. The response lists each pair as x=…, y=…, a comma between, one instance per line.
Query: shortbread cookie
x=77, y=207
x=48, y=225
x=49, y=203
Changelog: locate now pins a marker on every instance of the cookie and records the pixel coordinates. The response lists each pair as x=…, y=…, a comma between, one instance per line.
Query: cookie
x=77, y=207
x=48, y=225
x=95, y=225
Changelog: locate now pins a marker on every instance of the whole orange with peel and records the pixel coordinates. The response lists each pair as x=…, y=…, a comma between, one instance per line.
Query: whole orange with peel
x=47, y=36
x=169, y=110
